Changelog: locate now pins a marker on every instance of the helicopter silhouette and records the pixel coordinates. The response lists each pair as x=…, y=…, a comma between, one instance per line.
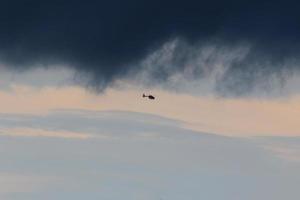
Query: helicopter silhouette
x=149, y=96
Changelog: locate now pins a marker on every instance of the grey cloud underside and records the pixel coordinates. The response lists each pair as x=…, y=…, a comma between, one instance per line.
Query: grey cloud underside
x=107, y=41
x=213, y=67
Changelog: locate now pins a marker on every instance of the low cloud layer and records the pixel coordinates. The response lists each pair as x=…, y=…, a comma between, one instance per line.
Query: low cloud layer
x=142, y=157
x=255, y=43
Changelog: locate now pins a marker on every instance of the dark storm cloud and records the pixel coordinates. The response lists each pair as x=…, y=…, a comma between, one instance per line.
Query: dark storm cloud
x=106, y=39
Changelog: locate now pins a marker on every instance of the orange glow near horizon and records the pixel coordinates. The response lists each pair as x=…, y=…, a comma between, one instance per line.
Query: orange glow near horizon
x=234, y=117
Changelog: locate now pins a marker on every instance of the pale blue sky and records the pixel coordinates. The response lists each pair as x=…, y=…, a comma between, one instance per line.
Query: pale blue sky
x=133, y=156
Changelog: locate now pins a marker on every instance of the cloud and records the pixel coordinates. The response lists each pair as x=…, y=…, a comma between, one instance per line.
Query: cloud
x=284, y=147
x=57, y=76
x=174, y=164
x=31, y=132
x=242, y=117
x=84, y=124
x=215, y=68
x=106, y=41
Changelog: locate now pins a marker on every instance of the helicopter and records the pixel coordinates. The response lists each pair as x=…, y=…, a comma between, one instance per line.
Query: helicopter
x=149, y=96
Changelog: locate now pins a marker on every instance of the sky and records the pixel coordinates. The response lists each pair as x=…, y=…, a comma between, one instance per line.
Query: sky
x=223, y=125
